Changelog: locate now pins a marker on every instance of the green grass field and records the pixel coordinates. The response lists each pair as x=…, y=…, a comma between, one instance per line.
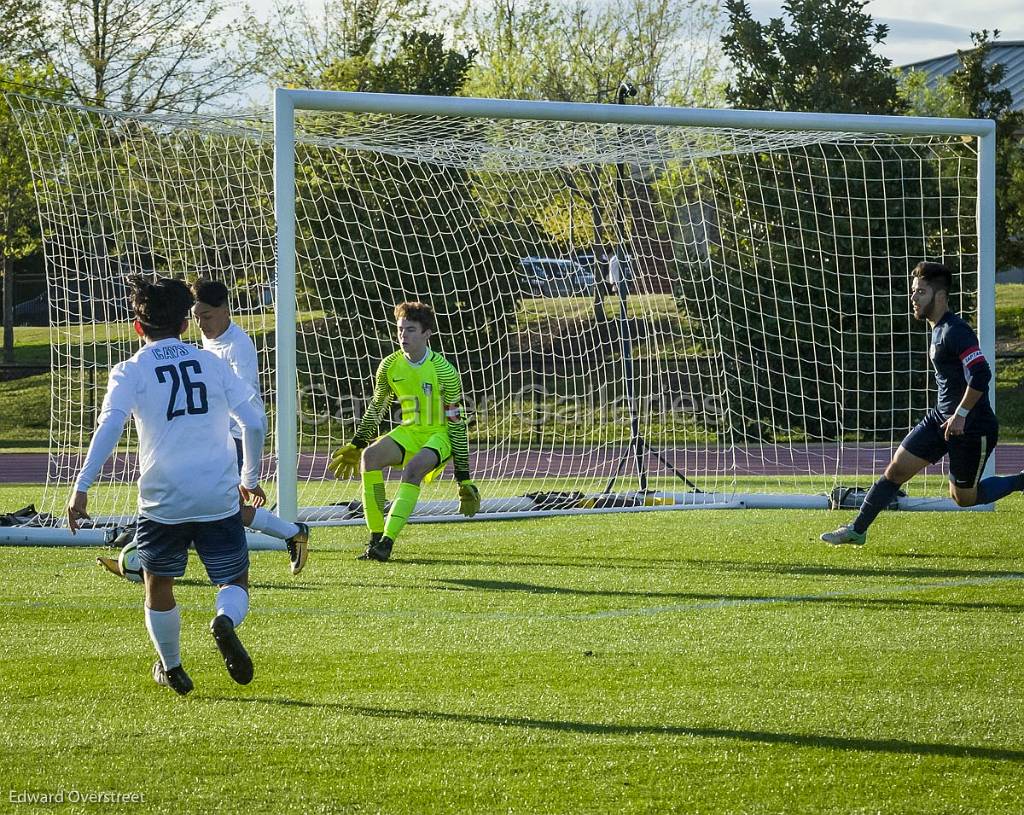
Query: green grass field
x=699, y=662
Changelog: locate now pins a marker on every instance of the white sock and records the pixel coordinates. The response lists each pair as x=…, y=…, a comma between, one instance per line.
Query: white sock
x=264, y=521
x=234, y=601
x=165, y=630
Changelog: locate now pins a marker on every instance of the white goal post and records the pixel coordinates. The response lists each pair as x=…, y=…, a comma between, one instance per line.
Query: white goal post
x=288, y=102
x=753, y=349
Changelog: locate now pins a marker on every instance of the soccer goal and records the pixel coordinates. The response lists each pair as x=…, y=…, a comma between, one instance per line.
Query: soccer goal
x=652, y=308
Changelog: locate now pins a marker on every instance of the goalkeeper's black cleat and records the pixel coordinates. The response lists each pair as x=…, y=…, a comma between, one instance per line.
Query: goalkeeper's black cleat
x=298, y=548
x=176, y=679
x=236, y=658
x=374, y=540
x=379, y=549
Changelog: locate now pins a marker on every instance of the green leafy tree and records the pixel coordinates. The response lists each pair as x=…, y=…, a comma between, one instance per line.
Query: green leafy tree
x=921, y=97
x=154, y=55
x=299, y=46
x=371, y=220
x=22, y=31
x=972, y=91
x=975, y=86
x=800, y=251
x=21, y=69
x=819, y=56
x=420, y=64
x=575, y=51
x=163, y=54
x=19, y=223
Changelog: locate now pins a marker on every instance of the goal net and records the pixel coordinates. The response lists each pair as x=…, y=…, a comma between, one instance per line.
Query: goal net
x=645, y=314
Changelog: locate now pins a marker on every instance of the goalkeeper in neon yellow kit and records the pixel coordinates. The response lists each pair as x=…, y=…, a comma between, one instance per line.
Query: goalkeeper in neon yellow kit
x=433, y=430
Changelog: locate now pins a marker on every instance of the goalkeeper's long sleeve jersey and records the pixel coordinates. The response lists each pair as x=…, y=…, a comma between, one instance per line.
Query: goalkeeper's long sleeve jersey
x=430, y=395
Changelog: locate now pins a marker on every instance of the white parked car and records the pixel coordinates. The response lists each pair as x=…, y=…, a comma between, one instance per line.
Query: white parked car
x=555, y=277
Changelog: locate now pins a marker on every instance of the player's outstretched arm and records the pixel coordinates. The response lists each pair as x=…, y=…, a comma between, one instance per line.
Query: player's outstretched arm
x=252, y=419
x=344, y=463
x=104, y=440
x=77, y=510
x=254, y=497
x=458, y=434
x=977, y=373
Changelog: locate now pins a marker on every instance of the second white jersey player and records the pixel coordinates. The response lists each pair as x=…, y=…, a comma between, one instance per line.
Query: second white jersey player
x=237, y=349
x=228, y=341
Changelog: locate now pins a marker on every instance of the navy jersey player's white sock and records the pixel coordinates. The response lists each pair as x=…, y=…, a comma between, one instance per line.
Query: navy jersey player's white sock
x=165, y=630
x=233, y=601
x=992, y=489
x=878, y=498
x=264, y=521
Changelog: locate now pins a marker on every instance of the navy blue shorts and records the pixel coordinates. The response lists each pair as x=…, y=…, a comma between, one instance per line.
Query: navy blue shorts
x=967, y=453
x=238, y=452
x=221, y=546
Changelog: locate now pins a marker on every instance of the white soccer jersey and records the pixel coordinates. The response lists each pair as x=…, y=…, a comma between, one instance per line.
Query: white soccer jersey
x=236, y=348
x=181, y=397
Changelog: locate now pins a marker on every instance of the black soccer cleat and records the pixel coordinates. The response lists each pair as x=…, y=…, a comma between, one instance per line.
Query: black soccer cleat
x=236, y=658
x=176, y=679
x=379, y=549
x=374, y=540
x=298, y=548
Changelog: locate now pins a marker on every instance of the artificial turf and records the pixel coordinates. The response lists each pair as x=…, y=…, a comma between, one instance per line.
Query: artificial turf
x=697, y=661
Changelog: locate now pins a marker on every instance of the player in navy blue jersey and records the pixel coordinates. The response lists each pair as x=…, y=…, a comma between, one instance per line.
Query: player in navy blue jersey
x=961, y=424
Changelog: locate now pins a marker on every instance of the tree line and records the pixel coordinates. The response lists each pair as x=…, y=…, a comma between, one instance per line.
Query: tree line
x=191, y=56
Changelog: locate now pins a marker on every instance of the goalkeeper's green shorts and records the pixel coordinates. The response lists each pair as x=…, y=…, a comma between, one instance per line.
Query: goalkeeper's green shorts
x=412, y=439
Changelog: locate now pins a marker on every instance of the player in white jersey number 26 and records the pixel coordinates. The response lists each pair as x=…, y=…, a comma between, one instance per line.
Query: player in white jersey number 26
x=182, y=400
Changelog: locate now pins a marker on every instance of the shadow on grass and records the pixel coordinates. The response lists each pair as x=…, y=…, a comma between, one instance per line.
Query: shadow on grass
x=848, y=743
x=828, y=569
x=705, y=564
x=702, y=600
x=194, y=581
x=499, y=560
x=931, y=556
x=755, y=736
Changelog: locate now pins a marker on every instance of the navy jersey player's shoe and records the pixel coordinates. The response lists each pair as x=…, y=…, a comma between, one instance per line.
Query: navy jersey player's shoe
x=379, y=548
x=236, y=658
x=298, y=548
x=845, y=535
x=176, y=679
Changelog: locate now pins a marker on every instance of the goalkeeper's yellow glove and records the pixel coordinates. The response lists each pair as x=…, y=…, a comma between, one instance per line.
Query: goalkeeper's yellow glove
x=469, y=498
x=345, y=462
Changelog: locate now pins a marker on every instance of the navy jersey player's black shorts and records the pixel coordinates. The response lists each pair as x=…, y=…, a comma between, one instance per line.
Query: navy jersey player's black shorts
x=221, y=546
x=967, y=453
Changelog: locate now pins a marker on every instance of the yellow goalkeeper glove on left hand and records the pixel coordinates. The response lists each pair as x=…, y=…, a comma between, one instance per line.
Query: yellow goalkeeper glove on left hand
x=345, y=462
x=469, y=498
